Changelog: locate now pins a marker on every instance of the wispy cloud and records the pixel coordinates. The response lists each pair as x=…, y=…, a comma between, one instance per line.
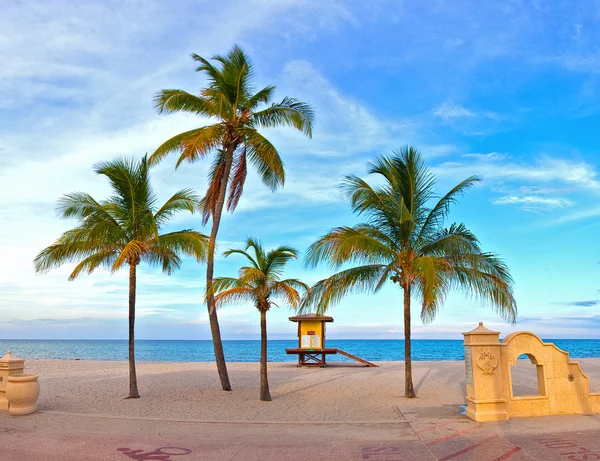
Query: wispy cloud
x=451, y=112
x=489, y=157
x=590, y=303
x=533, y=203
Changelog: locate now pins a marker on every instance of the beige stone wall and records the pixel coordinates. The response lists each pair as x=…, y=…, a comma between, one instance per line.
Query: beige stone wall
x=562, y=387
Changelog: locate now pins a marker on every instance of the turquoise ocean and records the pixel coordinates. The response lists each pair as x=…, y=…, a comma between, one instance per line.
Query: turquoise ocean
x=248, y=351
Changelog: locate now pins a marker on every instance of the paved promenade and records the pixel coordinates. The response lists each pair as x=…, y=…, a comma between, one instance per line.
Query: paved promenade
x=52, y=436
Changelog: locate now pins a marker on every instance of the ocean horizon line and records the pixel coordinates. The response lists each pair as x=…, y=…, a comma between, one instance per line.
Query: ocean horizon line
x=201, y=350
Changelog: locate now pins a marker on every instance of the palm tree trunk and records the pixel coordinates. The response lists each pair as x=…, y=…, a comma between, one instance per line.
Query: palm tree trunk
x=210, y=268
x=409, y=391
x=133, y=389
x=265, y=395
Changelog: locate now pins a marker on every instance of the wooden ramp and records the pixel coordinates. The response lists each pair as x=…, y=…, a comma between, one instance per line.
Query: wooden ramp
x=354, y=357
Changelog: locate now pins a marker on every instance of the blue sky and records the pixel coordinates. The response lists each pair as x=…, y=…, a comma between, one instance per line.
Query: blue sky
x=505, y=90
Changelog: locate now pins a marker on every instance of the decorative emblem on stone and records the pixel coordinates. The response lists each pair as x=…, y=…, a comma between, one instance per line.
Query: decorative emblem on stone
x=571, y=378
x=487, y=363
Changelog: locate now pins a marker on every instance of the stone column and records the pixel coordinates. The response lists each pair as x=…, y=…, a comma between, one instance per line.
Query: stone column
x=485, y=386
x=9, y=366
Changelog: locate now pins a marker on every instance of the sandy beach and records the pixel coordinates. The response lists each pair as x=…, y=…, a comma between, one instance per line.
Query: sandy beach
x=191, y=391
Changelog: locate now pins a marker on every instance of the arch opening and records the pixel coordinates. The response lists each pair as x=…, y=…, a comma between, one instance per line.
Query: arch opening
x=527, y=377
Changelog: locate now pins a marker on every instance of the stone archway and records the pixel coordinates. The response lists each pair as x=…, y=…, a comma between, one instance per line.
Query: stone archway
x=519, y=372
x=563, y=388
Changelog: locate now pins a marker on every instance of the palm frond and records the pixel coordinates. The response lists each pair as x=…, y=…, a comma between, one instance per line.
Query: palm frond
x=164, y=257
x=83, y=206
x=382, y=207
x=455, y=240
x=276, y=260
x=265, y=158
x=208, y=204
x=192, y=145
x=486, y=277
x=183, y=200
x=290, y=112
x=187, y=242
x=238, y=179
x=360, y=244
x=101, y=259
x=132, y=253
x=330, y=291
x=440, y=211
x=263, y=96
x=287, y=292
x=433, y=276
x=259, y=252
x=174, y=100
x=234, y=295
x=243, y=253
x=72, y=246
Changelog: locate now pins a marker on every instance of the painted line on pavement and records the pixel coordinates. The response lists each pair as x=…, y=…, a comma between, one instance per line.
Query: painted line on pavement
x=456, y=434
x=508, y=454
x=465, y=450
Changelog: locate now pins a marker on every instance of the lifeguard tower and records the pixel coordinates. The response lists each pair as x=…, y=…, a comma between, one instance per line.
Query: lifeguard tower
x=311, y=348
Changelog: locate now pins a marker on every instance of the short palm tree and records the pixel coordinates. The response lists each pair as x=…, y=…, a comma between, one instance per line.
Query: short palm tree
x=261, y=283
x=403, y=240
x=123, y=230
x=234, y=141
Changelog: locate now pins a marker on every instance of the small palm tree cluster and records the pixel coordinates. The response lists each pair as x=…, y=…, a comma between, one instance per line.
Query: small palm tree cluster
x=403, y=238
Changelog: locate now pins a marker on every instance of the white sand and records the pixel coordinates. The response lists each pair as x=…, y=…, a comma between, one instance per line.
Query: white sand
x=191, y=391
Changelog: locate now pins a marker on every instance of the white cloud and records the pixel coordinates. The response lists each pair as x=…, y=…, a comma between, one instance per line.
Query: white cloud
x=449, y=111
x=490, y=157
x=466, y=121
x=533, y=203
x=579, y=175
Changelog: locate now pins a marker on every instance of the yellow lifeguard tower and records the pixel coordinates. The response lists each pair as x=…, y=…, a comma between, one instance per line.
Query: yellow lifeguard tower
x=311, y=348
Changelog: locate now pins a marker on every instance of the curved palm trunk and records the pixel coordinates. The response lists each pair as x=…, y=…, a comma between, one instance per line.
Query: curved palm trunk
x=133, y=389
x=409, y=391
x=265, y=395
x=210, y=268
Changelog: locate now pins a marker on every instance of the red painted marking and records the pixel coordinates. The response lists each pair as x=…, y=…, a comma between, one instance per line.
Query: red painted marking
x=456, y=434
x=508, y=454
x=434, y=427
x=465, y=450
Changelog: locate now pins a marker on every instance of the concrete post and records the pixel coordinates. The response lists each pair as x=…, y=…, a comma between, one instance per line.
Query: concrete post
x=485, y=386
x=9, y=366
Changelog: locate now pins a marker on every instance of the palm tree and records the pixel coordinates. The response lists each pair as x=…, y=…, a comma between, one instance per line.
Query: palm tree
x=123, y=230
x=403, y=240
x=238, y=112
x=260, y=283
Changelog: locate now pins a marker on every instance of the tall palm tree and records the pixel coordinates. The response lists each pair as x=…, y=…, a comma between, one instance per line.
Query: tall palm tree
x=260, y=283
x=403, y=240
x=123, y=230
x=233, y=139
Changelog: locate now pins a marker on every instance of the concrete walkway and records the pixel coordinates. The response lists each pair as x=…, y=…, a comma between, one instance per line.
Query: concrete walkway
x=417, y=436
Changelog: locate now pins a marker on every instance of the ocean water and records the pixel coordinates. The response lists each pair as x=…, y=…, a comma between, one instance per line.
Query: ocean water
x=249, y=351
